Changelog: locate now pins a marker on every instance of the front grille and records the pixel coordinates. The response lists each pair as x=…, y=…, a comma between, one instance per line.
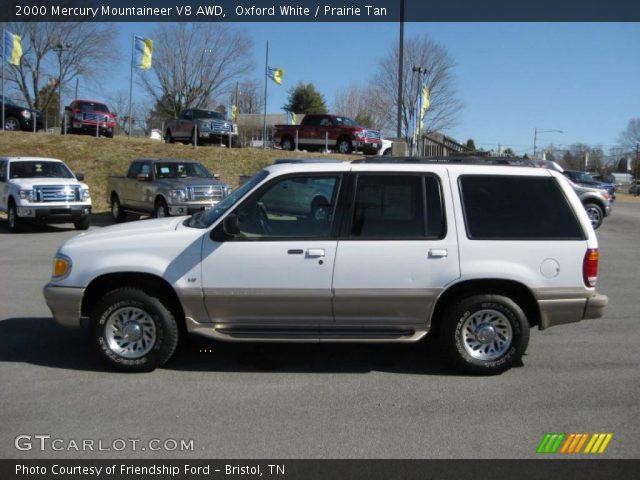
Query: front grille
x=204, y=193
x=57, y=193
x=372, y=134
x=93, y=117
x=221, y=126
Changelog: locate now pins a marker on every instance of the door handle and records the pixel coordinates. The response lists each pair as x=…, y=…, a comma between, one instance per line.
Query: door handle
x=438, y=253
x=314, y=252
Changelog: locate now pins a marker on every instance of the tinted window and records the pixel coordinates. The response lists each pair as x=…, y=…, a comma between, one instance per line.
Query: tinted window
x=517, y=208
x=91, y=106
x=134, y=170
x=180, y=170
x=397, y=206
x=38, y=169
x=293, y=207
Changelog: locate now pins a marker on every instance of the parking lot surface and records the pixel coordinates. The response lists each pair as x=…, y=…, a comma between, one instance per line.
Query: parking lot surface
x=315, y=401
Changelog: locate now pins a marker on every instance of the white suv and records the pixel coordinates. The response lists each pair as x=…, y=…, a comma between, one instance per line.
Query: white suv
x=477, y=253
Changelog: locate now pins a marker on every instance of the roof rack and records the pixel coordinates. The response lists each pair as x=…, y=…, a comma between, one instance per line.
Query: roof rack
x=279, y=161
x=459, y=159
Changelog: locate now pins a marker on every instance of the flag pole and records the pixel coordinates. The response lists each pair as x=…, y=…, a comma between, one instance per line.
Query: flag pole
x=3, y=46
x=133, y=45
x=264, y=119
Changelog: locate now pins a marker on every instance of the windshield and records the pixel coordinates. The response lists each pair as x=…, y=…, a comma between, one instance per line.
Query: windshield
x=346, y=121
x=39, y=169
x=208, y=114
x=206, y=218
x=583, y=177
x=89, y=106
x=180, y=170
x=7, y=100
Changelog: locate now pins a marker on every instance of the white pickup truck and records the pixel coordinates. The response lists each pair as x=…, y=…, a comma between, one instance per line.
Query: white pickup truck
x=44, y=189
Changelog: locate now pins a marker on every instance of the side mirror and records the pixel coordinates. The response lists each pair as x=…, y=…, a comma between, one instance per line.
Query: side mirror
x=144, y=177
x=230, y=225
x=79, y=176
x=67, y=109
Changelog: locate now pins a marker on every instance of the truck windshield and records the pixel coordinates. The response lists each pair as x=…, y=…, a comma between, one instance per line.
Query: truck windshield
x=208, y=114
x=39, y=169
x=206, y=218
x=583, y=177
x=180, y=170
x=90, y=106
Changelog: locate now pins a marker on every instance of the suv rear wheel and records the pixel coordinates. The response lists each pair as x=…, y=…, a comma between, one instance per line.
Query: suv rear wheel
x=134, y=330
x=485, y=334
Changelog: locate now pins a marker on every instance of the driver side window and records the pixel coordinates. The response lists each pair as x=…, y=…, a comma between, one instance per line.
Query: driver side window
x=292, y=207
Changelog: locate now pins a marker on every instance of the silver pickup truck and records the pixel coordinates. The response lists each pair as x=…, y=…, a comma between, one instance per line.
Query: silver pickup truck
x=164, y=187
x=201, y=126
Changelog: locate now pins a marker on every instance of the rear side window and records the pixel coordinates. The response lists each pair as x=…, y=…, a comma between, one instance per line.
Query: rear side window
x=397, y=207
x=517, y=208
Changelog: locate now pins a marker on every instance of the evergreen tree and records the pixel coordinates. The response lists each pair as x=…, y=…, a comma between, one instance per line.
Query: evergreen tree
x=304, y=98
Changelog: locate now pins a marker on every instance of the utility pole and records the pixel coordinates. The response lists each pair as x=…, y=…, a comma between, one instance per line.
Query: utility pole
x=59, y=49
x=400, y=69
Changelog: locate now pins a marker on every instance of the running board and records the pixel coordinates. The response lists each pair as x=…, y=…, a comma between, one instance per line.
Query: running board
x=308, y=335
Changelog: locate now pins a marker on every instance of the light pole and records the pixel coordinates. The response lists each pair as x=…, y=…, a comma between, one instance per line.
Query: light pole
x=417, y=105
x=59, y=49
x=536, y=131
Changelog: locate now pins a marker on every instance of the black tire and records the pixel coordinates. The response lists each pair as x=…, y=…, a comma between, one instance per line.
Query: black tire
x=14, y=221
x=160, y=209
x=109, y=134
x=117, y=213
x=168, y=138
x=146, y=313
x=287, y=143
x=82, y=223
x=595, y=214
x=469, y=326
x=344, y=145
x=11, y=124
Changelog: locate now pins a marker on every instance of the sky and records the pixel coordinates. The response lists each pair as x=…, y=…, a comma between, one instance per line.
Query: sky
x=581, y=78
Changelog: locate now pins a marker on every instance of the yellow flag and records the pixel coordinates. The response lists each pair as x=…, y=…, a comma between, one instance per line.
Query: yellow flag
x=12, y=48
x=275, y=74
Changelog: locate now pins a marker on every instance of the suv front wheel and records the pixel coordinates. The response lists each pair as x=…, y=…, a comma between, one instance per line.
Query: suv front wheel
x=485, y=334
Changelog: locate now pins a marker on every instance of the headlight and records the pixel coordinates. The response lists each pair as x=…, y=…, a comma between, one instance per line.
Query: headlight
x=26, y=195
x=61, y=266
x=84, y=194
x=227, y=191
x=25, y=113
x=77, y=116
x=179, y=194
x=359, y=134
x=235, y=128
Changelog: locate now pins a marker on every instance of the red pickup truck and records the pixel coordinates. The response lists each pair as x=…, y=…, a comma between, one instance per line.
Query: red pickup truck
x=85, y=116
x=336, y=132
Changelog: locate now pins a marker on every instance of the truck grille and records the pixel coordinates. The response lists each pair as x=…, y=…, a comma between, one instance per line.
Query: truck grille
x=220, y=126
x=93, y=117
x=57, y=193
x=204, y=193
x=374, y=134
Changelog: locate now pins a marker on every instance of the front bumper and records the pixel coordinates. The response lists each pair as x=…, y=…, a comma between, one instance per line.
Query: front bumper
x=558, y=311
x=103, y=129
x=65, y=304
x=189, y=209
x=60, y=213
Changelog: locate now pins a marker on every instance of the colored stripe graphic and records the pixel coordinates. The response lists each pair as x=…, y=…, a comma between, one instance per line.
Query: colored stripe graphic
x=573, y=443
x=551, y=442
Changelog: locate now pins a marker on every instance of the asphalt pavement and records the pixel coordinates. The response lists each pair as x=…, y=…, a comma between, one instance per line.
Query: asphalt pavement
x=314, y=401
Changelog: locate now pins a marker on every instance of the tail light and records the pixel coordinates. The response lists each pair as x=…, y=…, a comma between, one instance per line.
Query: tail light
x=590, y=267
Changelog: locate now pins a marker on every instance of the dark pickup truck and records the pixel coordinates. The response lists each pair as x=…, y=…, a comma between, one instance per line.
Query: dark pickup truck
x=17, y=117
x=335, y=132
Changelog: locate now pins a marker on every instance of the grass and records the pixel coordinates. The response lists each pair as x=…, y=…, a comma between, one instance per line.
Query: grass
x=98, y=158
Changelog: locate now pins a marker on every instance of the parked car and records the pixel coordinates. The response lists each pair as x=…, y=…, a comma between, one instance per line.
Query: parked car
x=199, y=127
x=634, y=189
x=43, y=189
x=18, y=117
x=586, y=180
x=163, y=187
x=87, y=116
x=336, y=132
x=406, y=248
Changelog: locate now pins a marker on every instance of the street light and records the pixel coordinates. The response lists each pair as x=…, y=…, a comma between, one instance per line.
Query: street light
x=536, y=131
x=59, y=49
x=421, y=71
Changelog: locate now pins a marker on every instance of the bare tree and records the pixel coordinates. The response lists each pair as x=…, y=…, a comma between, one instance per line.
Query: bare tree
x=419, y=52
x=630, y=136
x=119, y=103
x=356, y=101
x=59, y=52
x=250, y=97
x=195, y=62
